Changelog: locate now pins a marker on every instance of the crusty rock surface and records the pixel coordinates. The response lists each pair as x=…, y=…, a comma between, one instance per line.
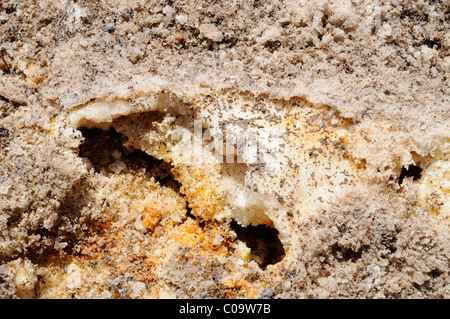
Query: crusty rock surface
x=100, y=104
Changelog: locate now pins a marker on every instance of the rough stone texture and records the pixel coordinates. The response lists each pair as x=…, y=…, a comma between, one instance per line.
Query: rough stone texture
x=359, y=91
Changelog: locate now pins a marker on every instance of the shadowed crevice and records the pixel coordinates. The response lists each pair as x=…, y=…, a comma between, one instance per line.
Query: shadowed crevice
x=263, y=241
x=411, y=171
x=106, y=151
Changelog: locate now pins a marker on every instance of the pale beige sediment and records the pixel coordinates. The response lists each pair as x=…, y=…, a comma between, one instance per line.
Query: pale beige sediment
x=357, y=93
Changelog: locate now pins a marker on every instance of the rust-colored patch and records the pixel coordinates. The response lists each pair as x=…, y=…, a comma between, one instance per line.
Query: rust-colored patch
x=151, y=218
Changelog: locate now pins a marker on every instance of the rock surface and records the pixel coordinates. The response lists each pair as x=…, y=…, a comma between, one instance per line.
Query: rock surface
x=224, y=149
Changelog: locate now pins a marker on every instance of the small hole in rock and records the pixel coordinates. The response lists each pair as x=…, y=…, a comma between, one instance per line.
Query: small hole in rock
x=264, y=243
x=412, y=171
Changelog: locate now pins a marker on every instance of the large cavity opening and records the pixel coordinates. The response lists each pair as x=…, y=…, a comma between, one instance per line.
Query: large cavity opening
x=263, y=241
x=109, y=153
x=106, y=151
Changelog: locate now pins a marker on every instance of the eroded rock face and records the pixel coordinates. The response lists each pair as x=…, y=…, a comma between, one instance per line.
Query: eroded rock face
x=268, y=149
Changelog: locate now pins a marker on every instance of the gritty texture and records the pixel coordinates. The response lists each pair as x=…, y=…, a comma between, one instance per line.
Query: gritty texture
x=97, y=106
